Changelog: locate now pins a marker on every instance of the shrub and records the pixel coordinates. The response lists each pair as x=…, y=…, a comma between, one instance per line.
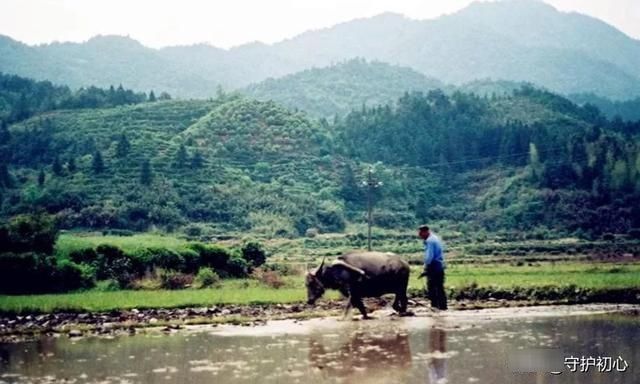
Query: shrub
x=38, y=273
x=113, y=263
x=193, y=230
x=191, y=260
x=174, y=280
x=71, y=276
x=25, y=273
x=207, y=277
x=331, y=218
x=254, y=254
x=29, y=233
x=211, y=256
x=107, y=286
x=269, y=278
x=165, y=258
x=608, y=237
x=237, y=267
x=282, y=269
x=86, y=256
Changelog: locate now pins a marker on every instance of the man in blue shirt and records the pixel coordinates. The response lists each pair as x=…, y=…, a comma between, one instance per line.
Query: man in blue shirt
x=434, y=267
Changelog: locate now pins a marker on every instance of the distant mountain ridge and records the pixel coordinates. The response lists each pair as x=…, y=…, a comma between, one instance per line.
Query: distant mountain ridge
x=340, y=88
x=513, y=40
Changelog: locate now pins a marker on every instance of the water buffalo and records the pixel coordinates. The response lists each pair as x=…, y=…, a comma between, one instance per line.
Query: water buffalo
x=362, y=274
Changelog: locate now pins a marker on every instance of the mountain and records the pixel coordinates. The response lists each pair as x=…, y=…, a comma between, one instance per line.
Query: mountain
x=103, y=61
x=513, y=40
x=338, y=89
x=628, y=110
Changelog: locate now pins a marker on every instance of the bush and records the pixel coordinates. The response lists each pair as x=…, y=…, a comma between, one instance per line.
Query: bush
x=25, y=273
x=38, y=273
x=237, y=267
x=107, y=286
x=269, y=278
x=29, y=233
x=211, y=256
x=254, y=254
x=174, y=280
x=331, y=218
x=282, y=269
x=71, y=276
x=165, y=258
x=193, y=230
x=191, y=260
x=608, y=237
x=207, y=277
x=113, y=263
x=86, y=256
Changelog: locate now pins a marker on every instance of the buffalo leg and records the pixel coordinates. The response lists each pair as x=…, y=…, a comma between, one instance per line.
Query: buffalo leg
x=357, y=302
x=347, y=308
x=401, y=297
x=396, y=303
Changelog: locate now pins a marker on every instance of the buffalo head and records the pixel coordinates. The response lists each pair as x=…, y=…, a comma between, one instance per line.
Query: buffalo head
x=315, y=288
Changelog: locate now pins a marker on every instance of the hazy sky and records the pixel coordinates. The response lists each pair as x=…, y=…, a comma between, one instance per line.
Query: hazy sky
x=228, y=23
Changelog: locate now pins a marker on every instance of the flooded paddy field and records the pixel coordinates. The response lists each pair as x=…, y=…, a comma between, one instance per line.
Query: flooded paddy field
x=472, y=346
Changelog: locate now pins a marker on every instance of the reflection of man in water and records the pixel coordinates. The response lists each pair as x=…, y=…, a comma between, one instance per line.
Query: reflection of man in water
x=437, y=364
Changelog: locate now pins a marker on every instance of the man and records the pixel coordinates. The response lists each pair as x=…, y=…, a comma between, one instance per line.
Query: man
x=434, y=267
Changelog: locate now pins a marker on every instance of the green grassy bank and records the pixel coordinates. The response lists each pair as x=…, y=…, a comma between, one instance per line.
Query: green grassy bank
x=559, y=281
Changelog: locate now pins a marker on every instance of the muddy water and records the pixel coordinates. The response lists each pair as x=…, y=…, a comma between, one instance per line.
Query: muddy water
x=457, y=347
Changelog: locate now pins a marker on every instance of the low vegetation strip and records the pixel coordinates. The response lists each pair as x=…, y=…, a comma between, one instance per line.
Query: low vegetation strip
x=571, y=282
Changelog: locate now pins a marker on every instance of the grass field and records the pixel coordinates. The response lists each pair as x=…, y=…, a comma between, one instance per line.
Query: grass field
x=70, y=242
x=248, y=291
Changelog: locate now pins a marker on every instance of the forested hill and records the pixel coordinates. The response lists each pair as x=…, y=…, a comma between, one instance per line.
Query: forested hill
x=528, y=160
x=515, y=40
x=21, y=98
x=337, y=89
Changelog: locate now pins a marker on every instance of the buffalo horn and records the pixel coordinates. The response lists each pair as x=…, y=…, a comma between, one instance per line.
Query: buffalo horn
x=349, y=266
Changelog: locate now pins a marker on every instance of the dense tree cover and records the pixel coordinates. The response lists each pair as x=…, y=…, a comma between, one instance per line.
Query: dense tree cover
x=529, y=159
x=628, y=110
x=21, y=98
x=578, y=167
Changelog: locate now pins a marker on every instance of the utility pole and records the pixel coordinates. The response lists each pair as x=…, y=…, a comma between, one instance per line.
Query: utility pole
x=371, y=183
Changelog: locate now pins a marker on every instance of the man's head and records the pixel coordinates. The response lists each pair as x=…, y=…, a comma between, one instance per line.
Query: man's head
x=423, y=232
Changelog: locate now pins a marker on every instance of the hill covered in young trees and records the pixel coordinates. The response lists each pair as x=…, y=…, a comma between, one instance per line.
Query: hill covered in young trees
x=530, y=159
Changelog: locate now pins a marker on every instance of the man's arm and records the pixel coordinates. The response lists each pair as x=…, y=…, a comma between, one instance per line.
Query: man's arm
x=429, y=253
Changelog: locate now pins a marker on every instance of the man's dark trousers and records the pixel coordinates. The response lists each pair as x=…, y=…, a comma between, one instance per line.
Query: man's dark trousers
x=435, y=287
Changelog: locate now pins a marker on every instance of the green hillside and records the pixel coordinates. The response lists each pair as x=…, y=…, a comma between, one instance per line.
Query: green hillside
x=529, y=160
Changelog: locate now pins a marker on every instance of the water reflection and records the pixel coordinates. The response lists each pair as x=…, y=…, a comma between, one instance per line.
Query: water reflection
x=379, y=356
x=412, y=350
x=437, y=364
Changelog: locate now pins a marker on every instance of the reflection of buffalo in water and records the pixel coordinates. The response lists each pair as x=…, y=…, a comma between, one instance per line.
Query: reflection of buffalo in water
x=378, y=357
